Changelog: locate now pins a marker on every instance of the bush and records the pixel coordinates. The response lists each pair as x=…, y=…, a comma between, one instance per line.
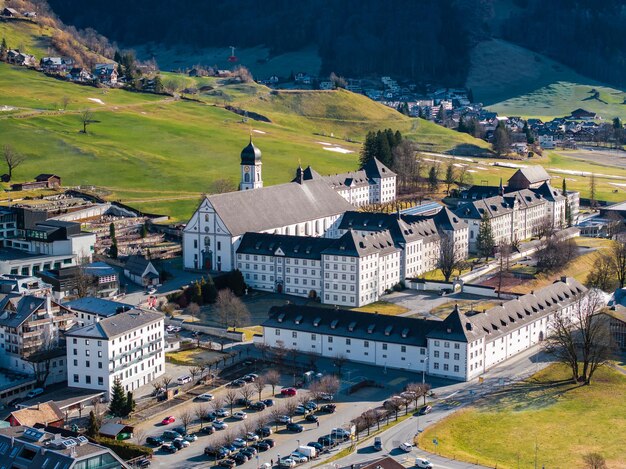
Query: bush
x=124, y=449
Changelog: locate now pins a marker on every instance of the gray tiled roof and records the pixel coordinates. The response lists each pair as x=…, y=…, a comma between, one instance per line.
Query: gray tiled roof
x=99, y=306
x=116, y=325
x=534, y=174
x=275, y=206
x=17, y=309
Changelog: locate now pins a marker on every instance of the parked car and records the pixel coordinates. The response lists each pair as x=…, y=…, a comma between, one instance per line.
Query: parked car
x=270, y=442
x=208, y=430
x=268, y=402
x=298, y=458
x=378, y=444
x=258, y=405
x=295, y=427
x=169, y=448
x=180, y=430
x=264, y=431
x=265, y=465
x=283, y=419
x=340, y=434
x=423, y=463
x=239, y=443
x=301, y=410
x=243, y=401
x=205, y=397
x=229, y=463
x=183, y=379
x=154, y=440
x=427, y=409
x=326, y=396
x=222, y=412
x=216, y=452
x=251, y=437
x=314, y=444
x=142, y=463
x=286, y=462
x=168, y=420
x=190, y=437
x=329, y=408
x=407, y=446
x=238, y=383
x=34, y=393
x=311, y=418
x=326, y=441
x=241, y=415
x=310, y=405
x=288, y=392
x=248, y=378
x=180, y=443
x=170, y=434
x=262, y=445
x=220, y=425
x=240, y=458
x=250, y=450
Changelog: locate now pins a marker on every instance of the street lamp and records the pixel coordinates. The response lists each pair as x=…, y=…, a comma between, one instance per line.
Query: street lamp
x=424, y=371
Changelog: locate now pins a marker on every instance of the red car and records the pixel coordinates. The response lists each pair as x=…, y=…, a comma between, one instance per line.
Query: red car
x=168, y=420
x=288, y=391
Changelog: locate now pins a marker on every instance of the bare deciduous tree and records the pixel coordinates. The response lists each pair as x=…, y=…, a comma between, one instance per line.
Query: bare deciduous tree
x=41, y=360
x=223, y=185
x=218, y=402
x=65, y=102
x=202, y=412
x=329, y=384
x=290, y=406
x=618, y=256
x=230, y=310
x=186, y=417
x=139, y=435
x=259, y=385
x=272, y=377
x=339, y=361
x=230, y=397
x=449, y=257
x=12, y=159
x=581, y=339
x=194, y=371
x=394, y=405
x=247, y=392
x=86, y=118
x=166, y=382
x=594, y=461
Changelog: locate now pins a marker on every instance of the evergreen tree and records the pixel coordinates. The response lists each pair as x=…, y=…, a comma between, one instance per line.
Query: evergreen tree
x=144, y=231
x=470, y=95
x=236, y=282
x=112, y=230
x=196, y=293
x=617, y=123
x=130, y=403
x=158, y=84
x=530, y=139
x=117, y=407
x=397, y=137
x=433, y=181
x=383, y=152
x=113, y=251
x=568, y=214
x=441, y=115
x=93, y=428
x=450, y=177
x=564, y=186
x=3, y=48
x=209, y=291
x=368, y=152
x=462, y=127
x=485, y=243
x=501, y=140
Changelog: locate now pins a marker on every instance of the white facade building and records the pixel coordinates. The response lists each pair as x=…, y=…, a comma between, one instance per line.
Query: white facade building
x=462, y=347
x=128, y=346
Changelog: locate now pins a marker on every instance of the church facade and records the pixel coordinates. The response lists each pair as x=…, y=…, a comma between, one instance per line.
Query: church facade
x=310, y=205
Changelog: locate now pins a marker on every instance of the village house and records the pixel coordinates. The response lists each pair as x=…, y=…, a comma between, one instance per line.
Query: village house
x=106, y=73
x=141, y=271
x=80, y=75
x=53, y=65
x=19, y=58
x=47, y=413
x=10, y=12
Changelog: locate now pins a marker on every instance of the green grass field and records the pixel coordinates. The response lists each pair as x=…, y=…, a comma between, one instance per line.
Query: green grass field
x=566, y=421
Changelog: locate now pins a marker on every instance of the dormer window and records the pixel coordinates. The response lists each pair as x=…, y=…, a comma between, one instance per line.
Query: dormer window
x=298, y=319
x=333, y=325
x=280, y=318
x=316, y=321
x=371, y=328
x=388, y=330
x=405, y=333
x=351, y=326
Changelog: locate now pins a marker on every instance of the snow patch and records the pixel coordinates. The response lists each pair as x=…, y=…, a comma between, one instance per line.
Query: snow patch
x=258, y=131
x=6, y=108
x=96, y=100
x=338, y=149
x=325, y=143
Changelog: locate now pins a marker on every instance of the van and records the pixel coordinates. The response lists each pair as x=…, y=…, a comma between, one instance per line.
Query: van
x=183, y=379
x=34, y=393
x=378, y=444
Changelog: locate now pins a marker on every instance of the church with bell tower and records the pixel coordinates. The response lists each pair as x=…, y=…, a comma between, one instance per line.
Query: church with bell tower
x=250, y=168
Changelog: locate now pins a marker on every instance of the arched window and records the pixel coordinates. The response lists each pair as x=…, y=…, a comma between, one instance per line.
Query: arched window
x=207, y=241
x=246, y=177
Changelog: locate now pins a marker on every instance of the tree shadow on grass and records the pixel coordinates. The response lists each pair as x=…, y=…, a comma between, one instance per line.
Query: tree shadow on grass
x=468, y=149
x=530, y=394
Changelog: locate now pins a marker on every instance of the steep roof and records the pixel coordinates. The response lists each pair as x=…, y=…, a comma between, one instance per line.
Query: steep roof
x=403, y=229
x=267, y=244
x=275, y=206
x=17, y=309
x=250, y=154
x=549, y=193
x=533, y=174
x=375, y=169
x=116, y=325
x=46, y=412
x=136, y=265
x=493, y=206
x=356, y=245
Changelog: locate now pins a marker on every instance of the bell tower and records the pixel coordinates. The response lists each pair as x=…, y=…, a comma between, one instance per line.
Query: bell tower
x=250, y=168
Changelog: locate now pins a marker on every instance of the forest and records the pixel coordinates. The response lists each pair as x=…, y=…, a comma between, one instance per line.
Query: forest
x=423, y=40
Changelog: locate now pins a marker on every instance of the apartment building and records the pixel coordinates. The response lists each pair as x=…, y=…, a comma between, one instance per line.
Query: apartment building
x=128, y=346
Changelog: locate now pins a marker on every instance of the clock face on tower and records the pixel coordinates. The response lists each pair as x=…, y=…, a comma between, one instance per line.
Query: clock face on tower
x=246, y=169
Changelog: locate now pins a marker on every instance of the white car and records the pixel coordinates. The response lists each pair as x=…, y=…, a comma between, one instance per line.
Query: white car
x=241, y=415
x=152, y=291
x=220, y=425
x=252, y=437
x=283, y=419
x=286, y=462
x=190, y=437
x=407, y=447
x=182, y=441
x=298, y=457
x=222, y=412
x=423, y=463
x=183, y=379
x=205, y=397
x=265, y=465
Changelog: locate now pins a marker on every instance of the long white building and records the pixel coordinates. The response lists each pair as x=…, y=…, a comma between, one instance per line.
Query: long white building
x=128, y=346
x=461, y=347
x=310, y=205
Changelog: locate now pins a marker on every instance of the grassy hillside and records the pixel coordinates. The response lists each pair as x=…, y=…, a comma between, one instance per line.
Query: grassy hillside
x=160, y=154
x=514, y=81
x=26, y=36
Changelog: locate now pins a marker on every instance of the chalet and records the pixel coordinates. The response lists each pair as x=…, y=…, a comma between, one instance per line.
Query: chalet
x=42, y=181
x=53, y=65
x=11, y=12
x=582, y=114
x=80, y=75
x=106, y=73
x=47, y=413
x=530, y=177
x=141, y=271
x=19, y=58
